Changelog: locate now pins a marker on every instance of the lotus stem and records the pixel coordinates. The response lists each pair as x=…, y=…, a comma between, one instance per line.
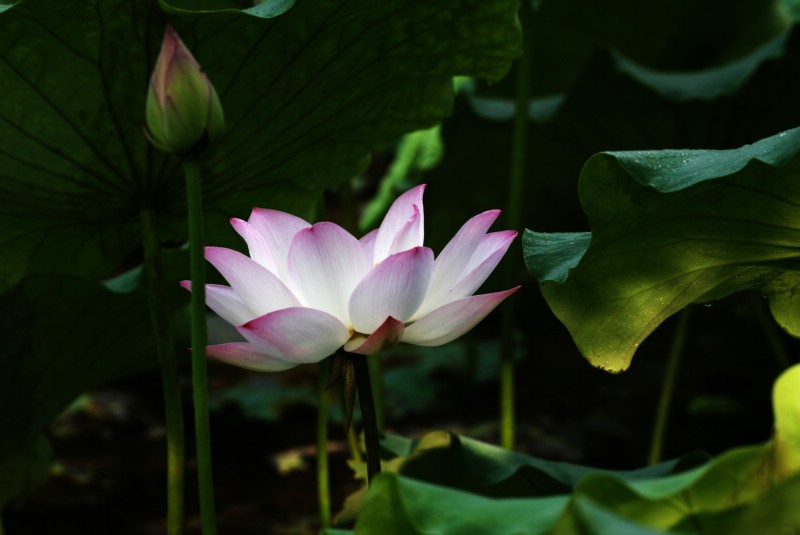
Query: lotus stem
x=353, y=446
x=194, y=193
x=169, y=372
x=323, y=487
x=513, y=213
x=376, y=378
x=368, y=417
x=668, y=387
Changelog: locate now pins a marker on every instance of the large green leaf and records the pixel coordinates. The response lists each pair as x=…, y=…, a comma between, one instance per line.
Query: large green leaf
x=749, y=488
x=670, y=228
x=401, y=506
x=61, y=337
x=307, y=92
x=491, y=471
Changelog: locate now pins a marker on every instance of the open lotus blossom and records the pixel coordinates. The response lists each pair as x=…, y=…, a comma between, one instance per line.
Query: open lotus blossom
x=307, y=290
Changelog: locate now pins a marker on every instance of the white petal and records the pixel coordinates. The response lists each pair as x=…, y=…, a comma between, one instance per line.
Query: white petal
x=224, y=301
x=496, y=245
x=256, y=244
x=248, y=356
x=396, y=218
x=395, y=287
x=300, y=335
x=277, y=228
x=454, y=258
x=453, y=320
x=409, y=235
x=257, y=287
x=368, y=243
x=489, y=245
x=325, y=265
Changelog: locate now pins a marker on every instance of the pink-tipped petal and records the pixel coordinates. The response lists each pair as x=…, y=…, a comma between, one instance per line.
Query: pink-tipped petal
x=453, y=320
x=385, y=337
x=260, y=290
x=256, y=244
x=224, y=301
x=367, y=242
x=248, y=356
x=454, y=258
x=496, y=244
x=396, y=218
x=395, y=287
x=325, y=264
x=299, y=335
x=278, y=229
x=409, y=235
x=490, y=244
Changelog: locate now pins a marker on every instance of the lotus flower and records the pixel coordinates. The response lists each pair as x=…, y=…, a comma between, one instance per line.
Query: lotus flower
x=307, y=290
x=183, y=111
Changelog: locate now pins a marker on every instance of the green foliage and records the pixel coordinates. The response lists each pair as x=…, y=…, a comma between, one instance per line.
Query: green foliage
x=63, y=336
x=417, y=152
x=308, y=91
x=742, y=489
x=670, y=228
x=23, y=472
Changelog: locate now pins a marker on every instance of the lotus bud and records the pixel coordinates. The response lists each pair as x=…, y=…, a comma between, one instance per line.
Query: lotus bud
x=184, y=115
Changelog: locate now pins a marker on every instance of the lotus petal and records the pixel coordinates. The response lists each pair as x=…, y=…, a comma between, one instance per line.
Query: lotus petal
x=260, y=290
x=454, y=319
x=395, y=287
x=298, y=335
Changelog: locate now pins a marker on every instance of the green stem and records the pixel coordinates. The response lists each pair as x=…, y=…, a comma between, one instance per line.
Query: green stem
x=353, y=446
x=376, y=377
x=322, y=445
x=169, y=372
x=514, y=221
x=668, y=387
x=368, y=417
x=194, y=193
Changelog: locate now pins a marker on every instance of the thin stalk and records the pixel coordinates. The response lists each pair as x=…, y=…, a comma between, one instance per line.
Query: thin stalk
x=1, y=524
x=368, y=417
x=376, y=377
x=353, y=446
x=169, y=372
x=668, y=387
x=514, y=221
x=194, y=193
x=323, y=487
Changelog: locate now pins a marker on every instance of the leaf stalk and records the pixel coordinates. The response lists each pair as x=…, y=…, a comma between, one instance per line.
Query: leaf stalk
x=169, y=372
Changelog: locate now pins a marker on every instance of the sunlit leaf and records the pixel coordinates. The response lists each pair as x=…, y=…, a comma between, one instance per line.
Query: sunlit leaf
x=670, y=228
x=741, y=488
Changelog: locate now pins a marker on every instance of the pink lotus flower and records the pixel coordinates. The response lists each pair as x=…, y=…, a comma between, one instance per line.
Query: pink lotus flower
x=306, y=290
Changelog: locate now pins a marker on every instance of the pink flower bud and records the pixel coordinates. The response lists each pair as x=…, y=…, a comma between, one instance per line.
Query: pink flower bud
x=183, y=111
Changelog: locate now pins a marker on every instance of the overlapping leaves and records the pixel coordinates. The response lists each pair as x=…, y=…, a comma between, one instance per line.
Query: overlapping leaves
x=742, y=491
x=670, y=228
